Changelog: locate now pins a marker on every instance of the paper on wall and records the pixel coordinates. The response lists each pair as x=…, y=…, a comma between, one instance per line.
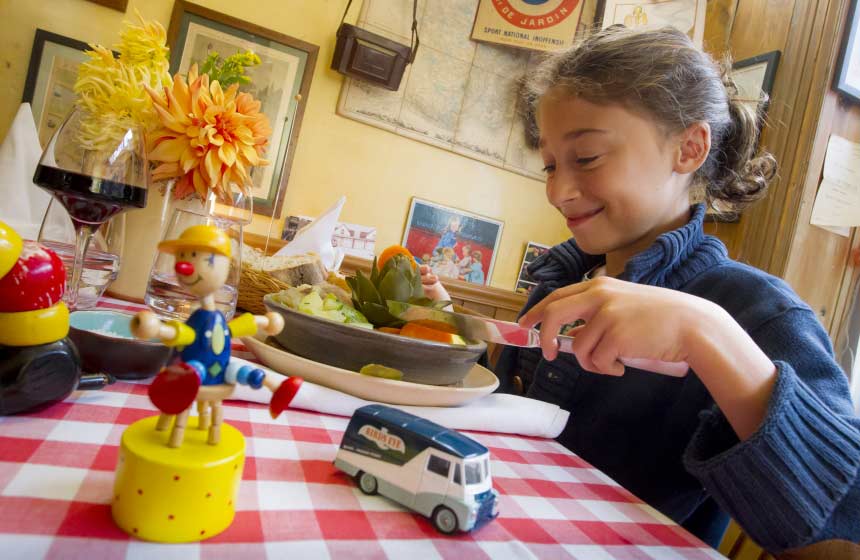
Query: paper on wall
x=837, y=203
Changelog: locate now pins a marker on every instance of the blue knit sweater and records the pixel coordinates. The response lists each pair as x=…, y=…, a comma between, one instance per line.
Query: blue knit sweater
x=794, y=482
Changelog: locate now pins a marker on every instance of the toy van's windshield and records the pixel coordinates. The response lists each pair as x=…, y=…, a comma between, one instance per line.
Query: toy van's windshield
x=474, y=473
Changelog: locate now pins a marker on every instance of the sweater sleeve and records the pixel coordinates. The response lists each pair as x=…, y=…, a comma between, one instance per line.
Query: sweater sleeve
x=788, y=484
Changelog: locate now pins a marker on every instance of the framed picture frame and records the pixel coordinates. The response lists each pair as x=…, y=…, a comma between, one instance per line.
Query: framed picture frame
x=754, y=76
x=525, y=282
x=686, y=15
x=51, y=75
x=455, y=243
x=847, y=78
x=120, y=5
x=281, y=83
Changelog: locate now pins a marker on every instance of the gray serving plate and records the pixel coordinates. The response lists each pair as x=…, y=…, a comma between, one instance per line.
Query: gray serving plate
x=349, y=347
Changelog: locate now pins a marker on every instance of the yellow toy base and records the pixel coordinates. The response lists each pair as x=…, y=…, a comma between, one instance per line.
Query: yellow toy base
x=175, y=495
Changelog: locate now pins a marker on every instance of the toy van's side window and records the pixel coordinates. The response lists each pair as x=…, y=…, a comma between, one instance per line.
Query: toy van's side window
x=438, y=465
x=457, y=479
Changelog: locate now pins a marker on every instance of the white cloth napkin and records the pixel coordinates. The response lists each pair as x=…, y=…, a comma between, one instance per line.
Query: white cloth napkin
x=507, y=414
x=24, y=203
x=316, y=237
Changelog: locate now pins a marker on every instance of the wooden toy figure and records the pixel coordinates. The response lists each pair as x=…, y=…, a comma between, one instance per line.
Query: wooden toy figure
x=202, y=264
x=186, y=490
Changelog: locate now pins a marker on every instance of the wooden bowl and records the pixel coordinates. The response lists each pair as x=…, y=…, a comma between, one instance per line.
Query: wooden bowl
x=105, y=344
x=349, y=347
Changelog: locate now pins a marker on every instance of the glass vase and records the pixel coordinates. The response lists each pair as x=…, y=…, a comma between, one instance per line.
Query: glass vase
x=165, y=295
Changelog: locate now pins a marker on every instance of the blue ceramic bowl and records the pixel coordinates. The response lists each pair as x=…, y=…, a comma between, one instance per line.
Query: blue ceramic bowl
x=105, y=343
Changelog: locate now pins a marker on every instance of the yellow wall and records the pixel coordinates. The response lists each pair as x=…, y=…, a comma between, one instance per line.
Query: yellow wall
x=377, y=170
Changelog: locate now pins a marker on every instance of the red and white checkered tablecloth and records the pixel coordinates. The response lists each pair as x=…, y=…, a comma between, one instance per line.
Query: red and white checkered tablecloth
x=57, y=472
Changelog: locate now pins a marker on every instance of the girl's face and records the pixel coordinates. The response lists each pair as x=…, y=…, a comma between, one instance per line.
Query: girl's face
x=612, y=174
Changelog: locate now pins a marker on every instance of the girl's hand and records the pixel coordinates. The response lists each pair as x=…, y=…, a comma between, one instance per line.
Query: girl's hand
x=629, y=320
x=433, y=288
x=622, y=319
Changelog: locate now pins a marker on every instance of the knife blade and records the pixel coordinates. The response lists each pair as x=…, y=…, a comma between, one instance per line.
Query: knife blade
x=511, y=334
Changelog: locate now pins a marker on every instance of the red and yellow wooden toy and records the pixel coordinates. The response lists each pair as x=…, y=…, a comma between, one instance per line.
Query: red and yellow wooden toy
x=182, y=485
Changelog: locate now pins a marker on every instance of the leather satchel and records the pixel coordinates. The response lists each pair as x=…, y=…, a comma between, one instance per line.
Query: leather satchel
x=368, y=56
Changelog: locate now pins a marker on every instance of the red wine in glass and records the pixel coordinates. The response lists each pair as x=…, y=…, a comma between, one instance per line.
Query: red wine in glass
x=89, y=200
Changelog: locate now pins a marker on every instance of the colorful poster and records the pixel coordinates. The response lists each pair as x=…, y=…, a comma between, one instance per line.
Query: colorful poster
x=525, y=282
x=542, y=25
x=455, y=244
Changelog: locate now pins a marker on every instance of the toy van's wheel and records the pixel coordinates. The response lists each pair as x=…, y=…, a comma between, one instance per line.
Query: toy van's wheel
x=445, y=520
x=367, y=483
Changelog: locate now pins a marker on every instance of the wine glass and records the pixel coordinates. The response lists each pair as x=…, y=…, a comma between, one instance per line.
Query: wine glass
x=96, y=167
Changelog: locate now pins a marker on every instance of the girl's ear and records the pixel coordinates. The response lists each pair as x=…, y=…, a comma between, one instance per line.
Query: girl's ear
x=694, y=145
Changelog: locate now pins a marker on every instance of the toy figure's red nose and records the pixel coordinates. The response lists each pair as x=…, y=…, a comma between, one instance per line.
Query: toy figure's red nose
x=184, y=268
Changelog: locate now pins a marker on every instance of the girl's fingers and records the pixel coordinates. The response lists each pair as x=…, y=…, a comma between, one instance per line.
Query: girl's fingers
x=556, y=315
x=536, y=313
x=604, y=357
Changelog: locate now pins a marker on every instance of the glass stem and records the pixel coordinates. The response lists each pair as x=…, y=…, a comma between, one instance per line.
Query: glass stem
x=83, y=235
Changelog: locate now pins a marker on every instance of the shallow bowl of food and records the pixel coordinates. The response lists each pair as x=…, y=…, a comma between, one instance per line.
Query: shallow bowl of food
x=105, y=343
x=351, y=347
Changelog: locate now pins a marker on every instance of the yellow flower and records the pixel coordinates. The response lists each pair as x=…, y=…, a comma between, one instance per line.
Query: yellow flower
x=112, y=91
x=209, y=138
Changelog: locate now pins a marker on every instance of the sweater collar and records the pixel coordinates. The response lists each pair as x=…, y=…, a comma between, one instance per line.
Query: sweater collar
x=671, y=261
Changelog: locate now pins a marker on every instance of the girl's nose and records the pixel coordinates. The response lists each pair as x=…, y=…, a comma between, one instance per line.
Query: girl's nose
x=184, y=268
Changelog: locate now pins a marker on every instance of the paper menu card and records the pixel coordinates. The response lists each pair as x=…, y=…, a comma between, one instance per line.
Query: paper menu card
x=837, y=203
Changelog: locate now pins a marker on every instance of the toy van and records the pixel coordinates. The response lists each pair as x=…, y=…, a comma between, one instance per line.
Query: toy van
x=438, y=472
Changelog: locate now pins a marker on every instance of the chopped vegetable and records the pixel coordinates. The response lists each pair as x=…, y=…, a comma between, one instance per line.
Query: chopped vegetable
x=308, y=299
x=416, y=330
x=376, y=370
x=389, y=330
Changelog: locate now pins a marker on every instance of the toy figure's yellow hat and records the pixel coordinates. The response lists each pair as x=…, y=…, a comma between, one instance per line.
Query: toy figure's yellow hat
x=207, y=238
x=10, y=248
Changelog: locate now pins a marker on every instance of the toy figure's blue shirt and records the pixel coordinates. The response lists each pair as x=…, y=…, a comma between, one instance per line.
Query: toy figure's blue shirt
x=211, y=346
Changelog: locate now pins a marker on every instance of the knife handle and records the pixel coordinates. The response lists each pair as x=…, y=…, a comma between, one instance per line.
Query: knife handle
x=673, y=369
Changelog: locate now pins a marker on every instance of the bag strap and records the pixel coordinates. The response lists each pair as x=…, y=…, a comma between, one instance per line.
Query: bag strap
x=413, y=44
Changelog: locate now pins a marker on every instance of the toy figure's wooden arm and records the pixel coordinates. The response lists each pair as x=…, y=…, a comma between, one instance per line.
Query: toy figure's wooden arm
x=147, y=325
x=247, y=324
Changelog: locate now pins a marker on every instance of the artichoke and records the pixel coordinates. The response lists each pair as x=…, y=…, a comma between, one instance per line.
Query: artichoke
x=397, y=280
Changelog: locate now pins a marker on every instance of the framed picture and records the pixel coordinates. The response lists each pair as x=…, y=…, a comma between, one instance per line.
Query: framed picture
x=50, y=80
x=754, y=77
x=686, y=15
x=120, y=5
x=456, y=244
x=525, y=283
x=848, y=69
x=281, y=83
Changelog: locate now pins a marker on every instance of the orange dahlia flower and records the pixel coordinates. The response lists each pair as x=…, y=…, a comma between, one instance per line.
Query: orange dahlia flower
x=209, y=138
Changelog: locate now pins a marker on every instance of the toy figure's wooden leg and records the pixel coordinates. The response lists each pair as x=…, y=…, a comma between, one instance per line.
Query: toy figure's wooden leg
x=202, y=415
x=178, y=432
x=217, y=418
x=163, y=422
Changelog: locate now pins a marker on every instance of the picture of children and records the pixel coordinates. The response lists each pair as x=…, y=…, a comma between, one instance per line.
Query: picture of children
x=449, y=240
x=449, y=234
x=447, y=266
x=465, y=263
x=476, y=270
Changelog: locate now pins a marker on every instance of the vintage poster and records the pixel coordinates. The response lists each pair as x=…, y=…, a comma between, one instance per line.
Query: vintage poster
x=453, y=243
x=542, y=25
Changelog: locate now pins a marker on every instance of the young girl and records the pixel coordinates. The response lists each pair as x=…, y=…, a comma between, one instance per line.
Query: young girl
x=762, y=427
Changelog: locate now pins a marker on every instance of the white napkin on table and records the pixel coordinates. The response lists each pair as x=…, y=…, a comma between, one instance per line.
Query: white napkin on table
x=24, y=203
x=316, y=237
x=507, y=414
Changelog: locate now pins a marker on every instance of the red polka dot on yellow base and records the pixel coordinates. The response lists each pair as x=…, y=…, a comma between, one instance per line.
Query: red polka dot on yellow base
x=174, y=495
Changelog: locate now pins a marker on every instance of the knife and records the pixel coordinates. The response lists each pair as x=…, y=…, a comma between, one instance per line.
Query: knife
x=511, y=334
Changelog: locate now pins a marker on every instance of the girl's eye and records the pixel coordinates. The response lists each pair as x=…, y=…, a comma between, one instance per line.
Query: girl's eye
x=549, y=168
x=586, y=160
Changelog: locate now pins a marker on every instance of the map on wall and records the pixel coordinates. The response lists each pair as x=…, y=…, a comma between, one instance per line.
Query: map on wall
x=458, y=95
